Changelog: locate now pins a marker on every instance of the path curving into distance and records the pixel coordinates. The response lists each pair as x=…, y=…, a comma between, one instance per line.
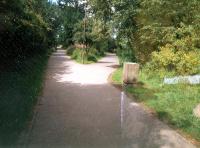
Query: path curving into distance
x=79, y=109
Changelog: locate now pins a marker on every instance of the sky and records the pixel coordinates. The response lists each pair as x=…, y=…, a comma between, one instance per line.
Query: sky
x=54, y=0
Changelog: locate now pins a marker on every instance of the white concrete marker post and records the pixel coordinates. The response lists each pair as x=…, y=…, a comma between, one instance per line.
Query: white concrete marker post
x=130, y=73
x=130, y=76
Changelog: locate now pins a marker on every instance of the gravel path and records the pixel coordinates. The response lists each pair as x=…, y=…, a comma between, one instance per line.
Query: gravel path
x=79, y=109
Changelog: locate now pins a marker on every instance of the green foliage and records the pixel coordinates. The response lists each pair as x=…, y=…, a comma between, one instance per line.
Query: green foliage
x=174, y=103
x=70, y=50
x=117, y=76
x=85, y=25
x=102, y=9
x=125, y=52
x=125, y=55
x=83, y=33
x=181, y=56
x=90, y=33
x=92, y=58
x=24, y=32
x=85, y=56
x=78, y=55
x=71, y=12
x=161, y=22
x=27, y=35
x=124, y=26
x=18, y=95
x=147, y=26
x=180, y=62
x=100, y=36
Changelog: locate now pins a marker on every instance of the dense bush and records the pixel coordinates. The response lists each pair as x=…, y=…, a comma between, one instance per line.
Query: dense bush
x=71, y=12
x=176, y=62
x=70, y=50
x=87, y=55
x=125, y=52
x=77, y=54
x=125, y=55
x=24, y=33
x=181, y=56
x=92, y=33
x=164, y=22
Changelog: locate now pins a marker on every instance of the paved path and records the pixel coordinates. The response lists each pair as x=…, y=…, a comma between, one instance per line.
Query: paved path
x=79, y=109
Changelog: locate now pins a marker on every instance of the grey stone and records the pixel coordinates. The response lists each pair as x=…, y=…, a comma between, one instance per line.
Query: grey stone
x=130, y=72
x=183, y=79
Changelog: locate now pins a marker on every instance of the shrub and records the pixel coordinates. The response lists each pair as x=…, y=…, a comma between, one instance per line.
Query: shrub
x=88, y=55
x=93, y=56
x=76, y=53
x=171, y=59
x=70, y=50
x=79, y=55
x=125, y=55
x=181, y=56
x=23, y=33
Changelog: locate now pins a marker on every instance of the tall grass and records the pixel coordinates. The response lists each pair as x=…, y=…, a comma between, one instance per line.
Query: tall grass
x=172, y=103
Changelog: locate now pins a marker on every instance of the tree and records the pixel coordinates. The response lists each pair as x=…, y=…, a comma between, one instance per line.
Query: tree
x=124, y=24
x=26, y=30
x=71, y=13
x=157, y=22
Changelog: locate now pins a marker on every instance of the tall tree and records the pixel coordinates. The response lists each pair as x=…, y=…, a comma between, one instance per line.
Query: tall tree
x=26, y=30
x=71, y=13
x=157, y=22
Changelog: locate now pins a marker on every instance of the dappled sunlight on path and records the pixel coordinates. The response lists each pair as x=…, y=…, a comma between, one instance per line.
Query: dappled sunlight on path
x=79, y=109
x=92, y=74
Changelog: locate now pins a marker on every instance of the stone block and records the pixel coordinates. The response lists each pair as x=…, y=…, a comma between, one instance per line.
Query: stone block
x=130, y=73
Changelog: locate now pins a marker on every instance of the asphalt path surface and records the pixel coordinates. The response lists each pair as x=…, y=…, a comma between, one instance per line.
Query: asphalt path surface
x=80, y=109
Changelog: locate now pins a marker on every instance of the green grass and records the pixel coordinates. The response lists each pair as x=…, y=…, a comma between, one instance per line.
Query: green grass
x=19, y=90
x=172, y=103
x=116, y=76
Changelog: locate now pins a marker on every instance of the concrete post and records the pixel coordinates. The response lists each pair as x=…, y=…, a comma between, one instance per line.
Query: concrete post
x=130, y=73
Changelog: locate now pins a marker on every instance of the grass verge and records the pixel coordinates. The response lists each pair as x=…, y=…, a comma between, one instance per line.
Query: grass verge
x=173, y=103
x=117, y=76
x=19, y=90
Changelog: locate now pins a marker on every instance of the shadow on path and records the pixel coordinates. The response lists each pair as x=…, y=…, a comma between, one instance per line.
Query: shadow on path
x=79, y=109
